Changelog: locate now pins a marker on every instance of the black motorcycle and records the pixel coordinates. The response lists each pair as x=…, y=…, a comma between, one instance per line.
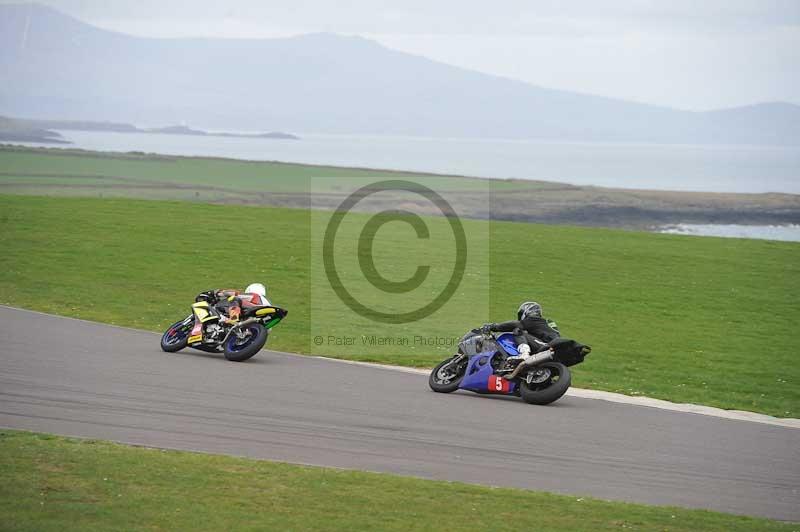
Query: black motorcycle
x=204, y=329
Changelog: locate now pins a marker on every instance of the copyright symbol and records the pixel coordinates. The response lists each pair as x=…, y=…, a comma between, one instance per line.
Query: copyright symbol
x=365, y=249
x=318, y=340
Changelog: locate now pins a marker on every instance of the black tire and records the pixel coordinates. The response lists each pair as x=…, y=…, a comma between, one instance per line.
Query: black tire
x=172, y=343
x=236, y=352
x=549, y=391
x=442, y=385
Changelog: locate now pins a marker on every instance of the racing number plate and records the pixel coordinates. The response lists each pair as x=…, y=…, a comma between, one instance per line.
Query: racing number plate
x=498, y=384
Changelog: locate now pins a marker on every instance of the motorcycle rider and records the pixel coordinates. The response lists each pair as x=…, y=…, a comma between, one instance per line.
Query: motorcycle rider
x=229, y=301
x=531, y=331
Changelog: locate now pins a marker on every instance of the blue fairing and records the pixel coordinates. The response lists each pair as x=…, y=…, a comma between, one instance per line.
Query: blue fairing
x=509, y=345
x=480, y=376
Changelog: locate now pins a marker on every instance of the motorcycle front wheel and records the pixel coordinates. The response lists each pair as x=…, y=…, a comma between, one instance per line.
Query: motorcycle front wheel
x=176, y=337
x=239, y=348
x=447, y=376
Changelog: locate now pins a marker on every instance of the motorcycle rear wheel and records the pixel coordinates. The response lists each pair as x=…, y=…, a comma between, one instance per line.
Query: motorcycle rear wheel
x=549, y=391
x=236, y=350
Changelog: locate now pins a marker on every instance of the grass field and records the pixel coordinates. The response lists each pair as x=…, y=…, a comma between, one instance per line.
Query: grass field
x=60, y=484
x=150, y=176
x=78, y=173
x=686, y=319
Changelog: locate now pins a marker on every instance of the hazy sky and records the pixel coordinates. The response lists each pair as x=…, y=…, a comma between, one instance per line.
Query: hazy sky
x=698, y=54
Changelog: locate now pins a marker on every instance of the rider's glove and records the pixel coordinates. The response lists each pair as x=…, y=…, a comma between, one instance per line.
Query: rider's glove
x=524, y=350
x=487, y=328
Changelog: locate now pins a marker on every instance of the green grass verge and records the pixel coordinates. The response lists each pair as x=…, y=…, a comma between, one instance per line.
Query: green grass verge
x=686, y=319
x=59, y=484
x=150, y=176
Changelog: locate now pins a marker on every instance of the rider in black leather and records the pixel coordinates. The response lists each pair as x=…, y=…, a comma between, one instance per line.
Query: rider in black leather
x=530, y=328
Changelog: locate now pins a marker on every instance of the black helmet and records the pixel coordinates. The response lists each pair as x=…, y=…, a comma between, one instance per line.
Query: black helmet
x=529, y=309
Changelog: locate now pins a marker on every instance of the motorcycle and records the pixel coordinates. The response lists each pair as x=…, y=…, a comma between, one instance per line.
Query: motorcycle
x=483, y=365
x=204, y=329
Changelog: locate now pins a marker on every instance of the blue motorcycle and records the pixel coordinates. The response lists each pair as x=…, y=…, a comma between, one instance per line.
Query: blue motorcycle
x=484, y=364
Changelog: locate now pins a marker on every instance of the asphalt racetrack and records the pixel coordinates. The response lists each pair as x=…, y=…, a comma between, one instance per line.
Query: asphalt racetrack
x=83, y=379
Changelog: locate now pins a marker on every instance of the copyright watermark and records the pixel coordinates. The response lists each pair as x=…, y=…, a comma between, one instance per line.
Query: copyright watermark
x=393, y=265
x=366, y=240
x=380, y=340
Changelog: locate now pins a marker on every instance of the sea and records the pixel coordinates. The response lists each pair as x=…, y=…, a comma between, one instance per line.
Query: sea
x=706, y=168
x=784, y=233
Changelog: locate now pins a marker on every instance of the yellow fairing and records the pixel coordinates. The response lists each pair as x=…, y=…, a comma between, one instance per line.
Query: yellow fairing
x=193, y=339
x=200, y=310
x=265, y=311
x=201, y=313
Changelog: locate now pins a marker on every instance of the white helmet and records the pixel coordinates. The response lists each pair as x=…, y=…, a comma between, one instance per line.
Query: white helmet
x=256, y=288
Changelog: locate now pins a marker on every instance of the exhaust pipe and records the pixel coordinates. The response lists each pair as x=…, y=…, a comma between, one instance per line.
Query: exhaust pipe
x=532, y=360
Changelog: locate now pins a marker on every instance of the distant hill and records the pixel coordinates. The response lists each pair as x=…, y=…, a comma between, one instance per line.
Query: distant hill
x=52, y=65
x=38, y=130
x=184, y=130
x=12, y=130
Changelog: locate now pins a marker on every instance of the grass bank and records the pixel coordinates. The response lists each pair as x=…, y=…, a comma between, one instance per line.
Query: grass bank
x=686, y=319
x=153, y=176
x=81, y=173
x=62, y=484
